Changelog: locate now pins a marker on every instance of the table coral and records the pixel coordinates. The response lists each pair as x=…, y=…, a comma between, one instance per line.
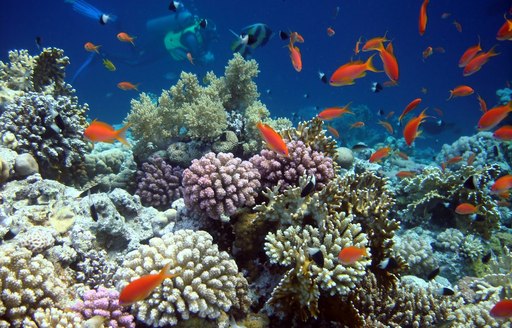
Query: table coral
x=158, y=183
x=284, y=171
x=208, y=284
x=103, y=302
x=27, y=283
x=219, y=186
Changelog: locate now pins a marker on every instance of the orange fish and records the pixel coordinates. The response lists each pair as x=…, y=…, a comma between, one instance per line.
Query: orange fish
x=351, y=254
x=504, y=133
x=127, y=86
x=502, y=185
x=476, y=63
x=357, y=125
x=390, y=114
x=457, y=26
x=411, y=106
x=89, y=46
x=466, y=208
x=139, y=289
x=387, y=126
x=494, y=116
x=454, y=160
x=482, y=103
x=124, y=37
x=461, y=91
x=402, y=155
x=469, y=54
x=334, y=112
x=356, y=48
x=405, y=174
x=422, y=21
x=471, y=159
x=272, y=138
x=295, y=57
x=333, y=131
x=374, y=43
x=296, y=37
x=102, y=132
x=347, y=73
x=411, y=128
x=389, y=61
x=330, y=31
x=505, y=31
x=502, y=309
x=190, y=58
x=380, y=154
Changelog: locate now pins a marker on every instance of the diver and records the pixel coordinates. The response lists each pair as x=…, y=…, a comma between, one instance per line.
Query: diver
x=88, y=10
x=184, y=35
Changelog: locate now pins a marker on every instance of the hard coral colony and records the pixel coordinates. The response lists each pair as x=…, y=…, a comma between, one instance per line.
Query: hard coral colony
x=209, y=212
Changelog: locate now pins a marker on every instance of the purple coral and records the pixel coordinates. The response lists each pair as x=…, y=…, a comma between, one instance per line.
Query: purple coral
x=158, y=183
x=104, y=302
x=277, y=169
x=218, y=185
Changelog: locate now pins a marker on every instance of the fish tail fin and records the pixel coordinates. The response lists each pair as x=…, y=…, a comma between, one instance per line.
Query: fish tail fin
x=165, y=272
x=121, y=135
x=136, y=86
x=369, y=65
x=451, y=95
x=492, y=52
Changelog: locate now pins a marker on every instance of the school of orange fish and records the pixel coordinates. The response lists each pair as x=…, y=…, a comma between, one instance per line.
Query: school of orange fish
x=471, y=61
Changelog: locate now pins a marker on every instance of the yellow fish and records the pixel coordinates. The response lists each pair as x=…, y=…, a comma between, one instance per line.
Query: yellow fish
x=109, y=65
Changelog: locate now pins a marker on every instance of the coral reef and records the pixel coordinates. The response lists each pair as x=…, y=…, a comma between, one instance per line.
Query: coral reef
x=158, y=183
x=504, y=94
x=208, y=284
x=104, y=302
x=417, y=251
x=284, y=171
x=218, y=186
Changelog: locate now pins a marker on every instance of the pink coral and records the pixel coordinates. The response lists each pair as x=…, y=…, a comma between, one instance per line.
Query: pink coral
x=219, y=185
x=104, y=302
x=302, y=160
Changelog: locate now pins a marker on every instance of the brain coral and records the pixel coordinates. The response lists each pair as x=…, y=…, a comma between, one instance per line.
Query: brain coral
x=219, y=185
x=27, y=283
x=208, y=284
x=276, y=169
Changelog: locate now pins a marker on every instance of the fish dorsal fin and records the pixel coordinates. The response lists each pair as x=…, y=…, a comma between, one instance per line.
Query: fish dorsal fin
x=102, y=124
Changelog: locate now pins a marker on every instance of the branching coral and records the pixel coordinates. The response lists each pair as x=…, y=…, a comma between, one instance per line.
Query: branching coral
x=238, y=85
x=27, y=283
x=208, y=284
x=425, y=193
x=284, y=171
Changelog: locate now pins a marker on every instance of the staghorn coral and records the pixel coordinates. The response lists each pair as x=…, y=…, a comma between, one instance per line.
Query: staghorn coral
x=402, y=305
x=208, y=284
x=219, y=186
x=103, y=302
x=50, y=128
x=158, y=183
x=301, y=285
x=422, y=196
x=27, y=283
x=284, y=171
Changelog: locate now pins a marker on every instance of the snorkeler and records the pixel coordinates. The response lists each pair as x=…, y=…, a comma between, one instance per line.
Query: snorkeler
x=88, y=10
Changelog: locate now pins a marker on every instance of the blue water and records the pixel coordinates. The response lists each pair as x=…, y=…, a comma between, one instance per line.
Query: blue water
x=59, y=26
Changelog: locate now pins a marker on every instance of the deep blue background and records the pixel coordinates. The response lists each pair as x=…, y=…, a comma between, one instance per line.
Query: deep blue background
x=58, y=25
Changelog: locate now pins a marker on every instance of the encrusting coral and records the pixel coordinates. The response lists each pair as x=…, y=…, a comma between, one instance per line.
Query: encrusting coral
x=218, y=186
x=208, y=284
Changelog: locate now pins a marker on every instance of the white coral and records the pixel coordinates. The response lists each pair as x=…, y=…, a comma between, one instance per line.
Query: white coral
x=208, y=282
